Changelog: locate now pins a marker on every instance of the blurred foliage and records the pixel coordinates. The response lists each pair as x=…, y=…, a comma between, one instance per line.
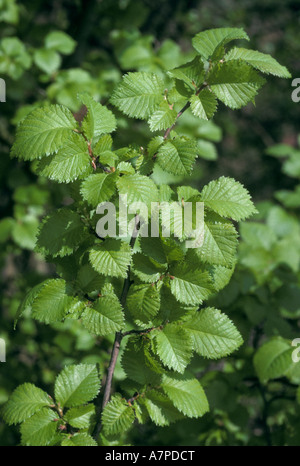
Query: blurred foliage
x=50, y=51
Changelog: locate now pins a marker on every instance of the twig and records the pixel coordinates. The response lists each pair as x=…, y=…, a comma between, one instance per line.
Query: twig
x=186, y=106
x=119, y=336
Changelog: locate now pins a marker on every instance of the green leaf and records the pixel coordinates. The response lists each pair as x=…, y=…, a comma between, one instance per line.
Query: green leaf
x=97, y=188
x=221, y=276
x=138, y=188
x=117, y=416
x=191, y=73
x=273, y=359
x=171, y=310
x=162, y=250
x=25, y=230
x=60, y=41
x=280, y=150
x=48, y=61
x=28, y=301
x=99, y=120
x=88, y=280
x=190, y=285
x=77, y=384
x=163, y=118
x=228, y=198
x=219, y=242
x=43, y=132
x=72, y=161
x=105, y=316
x=53, y=302
x=112, y=257
x=40, y=429
x=234, y=83
x=174, y=347
x=143, y=302
x=261, y=61
x=125, y=168
x=214, y=335
x=177, y=156
x=160, y=409
x=61, y=233
x=208, y=43
x=79, y=440
x=139, y=94
x=104, y=144
x=206, y=150
x=139, y=364
x=80, y=417
x=25, y=401
x=186, y=394
x=147, y=269
x=204, y=104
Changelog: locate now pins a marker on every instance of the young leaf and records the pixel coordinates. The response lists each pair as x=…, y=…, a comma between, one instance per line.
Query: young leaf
x=53, y=302
x=204, y=104
x=61, y=233
x=174, y=347
x=143, y=302
x=190, y=285
x=43, y=132
x=147, y=269
x=214, y=335
x=88, y=280
x=117, y=416
x=177, y=156
x=104, y=144
x=139, y=365
x=161, y=411
x=72, y=161
x=208, y=43
x=139, y=94
x=98, y=188
x=261, y=61
x=162, y=118
x=80, y=417
x=235, y=83
x=111, y=257
x=28, y=301
x=99, y=120
x=138, y=188
x=25, y=401
x=186, y=394
x=104, y=317
x=76, y=385
x=219, y=243
x=191, y=73
x=228, y=198
x=40, y=429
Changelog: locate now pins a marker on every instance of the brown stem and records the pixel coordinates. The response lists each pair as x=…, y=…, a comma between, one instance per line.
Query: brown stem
x=186, y=106
x=95, y=162
x=168, y=131
x=118, y=338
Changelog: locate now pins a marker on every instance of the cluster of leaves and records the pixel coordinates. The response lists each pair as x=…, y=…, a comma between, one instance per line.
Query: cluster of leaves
x=261, y=382
x=148, y=290
x=65, y=420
